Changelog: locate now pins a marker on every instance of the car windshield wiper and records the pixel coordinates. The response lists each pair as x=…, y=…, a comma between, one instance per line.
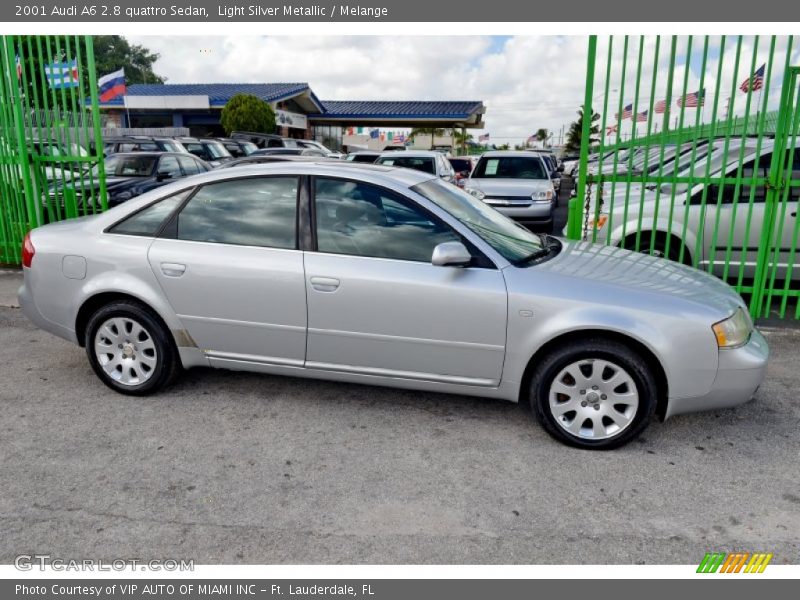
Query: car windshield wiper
x=551, y=246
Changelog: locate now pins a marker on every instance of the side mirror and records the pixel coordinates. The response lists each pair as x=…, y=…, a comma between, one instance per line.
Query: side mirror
x=560, y=168
x=163, y=175
x=451, y=254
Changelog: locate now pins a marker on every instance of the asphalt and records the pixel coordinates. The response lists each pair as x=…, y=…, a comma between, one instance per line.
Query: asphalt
x=236, y=468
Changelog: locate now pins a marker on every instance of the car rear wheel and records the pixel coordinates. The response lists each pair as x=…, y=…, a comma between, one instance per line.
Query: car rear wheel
x=596, y=394
x=130, y=350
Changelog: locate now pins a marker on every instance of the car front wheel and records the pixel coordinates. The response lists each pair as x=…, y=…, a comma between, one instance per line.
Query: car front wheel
x=595, y=394
x=130, y=350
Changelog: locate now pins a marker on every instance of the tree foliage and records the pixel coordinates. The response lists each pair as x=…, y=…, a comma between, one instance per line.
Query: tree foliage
x=245, y=112
x=575, y=133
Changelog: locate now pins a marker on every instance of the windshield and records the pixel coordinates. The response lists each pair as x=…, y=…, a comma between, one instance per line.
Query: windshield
x=248, y=147
x=510, y=167
x=118, y=165
x=510, y=240
x=419, y=163
x=217, y=150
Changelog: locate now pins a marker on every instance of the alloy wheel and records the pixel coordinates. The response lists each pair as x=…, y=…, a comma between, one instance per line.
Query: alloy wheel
x=125, y=350
x=593, y=399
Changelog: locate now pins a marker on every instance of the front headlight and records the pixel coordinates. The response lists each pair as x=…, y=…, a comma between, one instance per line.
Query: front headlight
x=477, y=193
x=542, y=196
x=734, y=331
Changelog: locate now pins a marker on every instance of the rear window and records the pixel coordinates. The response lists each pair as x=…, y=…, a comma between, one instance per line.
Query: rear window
x=510, y=167
x=418, y=163
x=148, y=221
x=460, y=164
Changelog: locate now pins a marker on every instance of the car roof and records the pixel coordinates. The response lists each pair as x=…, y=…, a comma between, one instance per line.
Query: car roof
x=151, y=153
x=507, y=153
x=321, y=167
x=412, y=153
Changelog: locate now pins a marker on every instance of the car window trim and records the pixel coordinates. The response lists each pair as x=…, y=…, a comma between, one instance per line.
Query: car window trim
x=479, y=258
x=170, y=228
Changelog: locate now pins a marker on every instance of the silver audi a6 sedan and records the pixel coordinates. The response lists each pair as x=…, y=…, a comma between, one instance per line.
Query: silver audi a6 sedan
x=388, y=276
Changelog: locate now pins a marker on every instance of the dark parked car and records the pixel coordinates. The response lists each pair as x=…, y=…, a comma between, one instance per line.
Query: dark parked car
x=363, y=156
x=140, y=143
x=260, y=159
x=264, y=140
x=211, y=151
x=463, y=166
x=238, y=148
x=130, y=174
x=289, y=151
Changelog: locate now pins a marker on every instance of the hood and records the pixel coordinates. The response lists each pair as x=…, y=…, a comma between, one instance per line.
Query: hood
x=510, y=187
x=620, y=276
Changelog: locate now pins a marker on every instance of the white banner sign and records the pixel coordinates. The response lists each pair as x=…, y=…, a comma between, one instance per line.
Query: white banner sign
x=284, y=118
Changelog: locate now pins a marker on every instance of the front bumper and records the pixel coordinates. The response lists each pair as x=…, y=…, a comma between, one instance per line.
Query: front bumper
x=740, y=372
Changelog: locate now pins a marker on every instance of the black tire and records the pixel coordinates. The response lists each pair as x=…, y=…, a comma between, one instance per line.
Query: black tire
x=593, y=348
x=167, y=361
x=659, y=248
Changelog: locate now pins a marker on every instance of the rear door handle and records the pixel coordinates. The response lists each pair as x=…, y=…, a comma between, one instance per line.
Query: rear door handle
x=325, y=284
x=173, y=269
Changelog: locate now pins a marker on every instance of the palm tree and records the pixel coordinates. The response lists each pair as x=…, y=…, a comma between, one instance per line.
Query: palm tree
x=433, y=132
x=542, y=135
x=460, y=138
x=575, y=133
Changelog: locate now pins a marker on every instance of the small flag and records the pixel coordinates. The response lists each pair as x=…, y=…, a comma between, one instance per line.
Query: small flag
x=693, y=100
x=112, y=85
x=19, y=69
x=755, y=82
x=374, y=134
x=641, y=117
x=399, y=138
x=531, y=139
x=627, y=112
x=660, y=107
x=62, y=75
x=612, y=128
x=390, y=136
x=483, y=138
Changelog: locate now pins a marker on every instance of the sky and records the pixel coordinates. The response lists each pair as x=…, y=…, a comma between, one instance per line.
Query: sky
x=526, y=82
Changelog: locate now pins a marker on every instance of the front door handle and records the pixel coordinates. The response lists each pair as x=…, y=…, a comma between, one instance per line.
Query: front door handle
x=325, y=284
x=794, y=214
x=173, y=269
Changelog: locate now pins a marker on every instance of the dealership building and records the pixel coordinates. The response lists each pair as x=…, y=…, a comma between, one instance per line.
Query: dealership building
x=299, y=113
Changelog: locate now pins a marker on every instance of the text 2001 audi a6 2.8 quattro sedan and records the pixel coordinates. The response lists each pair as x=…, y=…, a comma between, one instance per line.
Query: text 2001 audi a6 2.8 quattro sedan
x=388, y=276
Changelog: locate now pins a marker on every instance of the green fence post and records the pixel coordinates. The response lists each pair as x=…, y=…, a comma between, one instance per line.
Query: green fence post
x=575, y=214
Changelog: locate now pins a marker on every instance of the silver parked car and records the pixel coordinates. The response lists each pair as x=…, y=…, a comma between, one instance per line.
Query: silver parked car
x=518, y=184
x=690, y=214
x=388, y=276
x=427, y=161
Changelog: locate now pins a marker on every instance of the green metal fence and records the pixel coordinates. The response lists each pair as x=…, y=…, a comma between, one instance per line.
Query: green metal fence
x=695, y=158
x=50, y=146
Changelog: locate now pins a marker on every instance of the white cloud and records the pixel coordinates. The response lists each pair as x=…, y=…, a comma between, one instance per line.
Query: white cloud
x=526, y=82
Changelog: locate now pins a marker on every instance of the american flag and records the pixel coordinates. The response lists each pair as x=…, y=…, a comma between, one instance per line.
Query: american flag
x=693, y=100
x=627, y=112
x=641, y=117
x=532, y=139
x=755, y=82
x=660, y=107
x=483, y=138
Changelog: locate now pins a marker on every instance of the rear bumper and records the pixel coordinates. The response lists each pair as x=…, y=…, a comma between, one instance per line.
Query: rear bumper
x=29, y=309
x=740, y=373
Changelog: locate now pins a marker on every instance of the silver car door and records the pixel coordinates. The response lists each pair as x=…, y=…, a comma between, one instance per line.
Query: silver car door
x=230, y=267
x=378, y=306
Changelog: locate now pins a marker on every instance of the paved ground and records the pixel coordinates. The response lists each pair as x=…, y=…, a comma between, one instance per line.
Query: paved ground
x=240, y=468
